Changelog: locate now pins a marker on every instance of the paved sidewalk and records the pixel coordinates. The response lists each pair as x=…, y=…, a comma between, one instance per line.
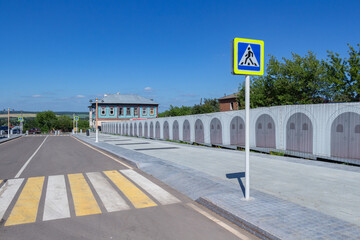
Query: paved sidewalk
x=292, y=198
x=5, y=139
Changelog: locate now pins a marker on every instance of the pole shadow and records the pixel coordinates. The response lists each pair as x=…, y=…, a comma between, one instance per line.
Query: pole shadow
x=238, y=176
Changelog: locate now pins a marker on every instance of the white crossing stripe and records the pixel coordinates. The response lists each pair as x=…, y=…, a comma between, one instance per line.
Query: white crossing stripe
x=108, y=195
x=7, y=193
x=56, y=201
x=157, y=192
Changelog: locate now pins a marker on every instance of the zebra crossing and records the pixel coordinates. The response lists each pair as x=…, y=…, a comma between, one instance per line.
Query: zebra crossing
x=20, y=199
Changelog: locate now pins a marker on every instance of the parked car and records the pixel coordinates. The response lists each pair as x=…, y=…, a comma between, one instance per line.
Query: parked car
x=4, y=128
x=16, y=131
x=35, y=131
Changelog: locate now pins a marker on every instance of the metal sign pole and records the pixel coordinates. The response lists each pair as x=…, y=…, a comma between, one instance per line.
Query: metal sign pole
x=96, y=122
x=247, y=136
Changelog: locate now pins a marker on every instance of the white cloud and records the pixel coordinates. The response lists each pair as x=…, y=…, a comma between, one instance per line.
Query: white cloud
x=148, y=89
x=36, y=96
x=80, y=96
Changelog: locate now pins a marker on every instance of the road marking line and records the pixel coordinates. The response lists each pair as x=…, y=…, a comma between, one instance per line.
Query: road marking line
x=109, y=156
x=7, y=193
x=108, y=195
x=26, y=207
x=134, y=194
x=219, y=222
x=157, y=192
x=56, y=201
x=84, y=201
x=28, y=161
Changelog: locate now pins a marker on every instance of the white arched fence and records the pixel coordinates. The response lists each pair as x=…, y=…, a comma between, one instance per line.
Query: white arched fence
x=300, y=128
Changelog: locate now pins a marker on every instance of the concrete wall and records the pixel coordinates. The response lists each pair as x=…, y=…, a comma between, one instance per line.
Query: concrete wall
x=306, y=126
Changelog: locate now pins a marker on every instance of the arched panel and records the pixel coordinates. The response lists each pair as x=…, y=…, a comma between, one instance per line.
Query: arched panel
x=123, y=131
x=199, y=131
x=237, y=131
x=345, y=136
x=151, y=130
x=127, y=129
x=175, y=131
x=265, y=132
x=140, y=130
x=157, y=130
x=146, y=132
x=131, y=129
x=186, y=131
x=166, y=130
x=135, y=130
x=215, y=131
x=299, y=133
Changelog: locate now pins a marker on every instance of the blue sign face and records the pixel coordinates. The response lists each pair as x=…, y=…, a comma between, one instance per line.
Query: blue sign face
x=76, y=118
x=249, y=56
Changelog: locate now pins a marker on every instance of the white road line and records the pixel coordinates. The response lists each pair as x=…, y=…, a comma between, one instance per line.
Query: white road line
x=56, y=201
x=7, y=193
x=157, y=192
x=103, y=153
x=108, y=195
x=219, y=222
x=28, y=161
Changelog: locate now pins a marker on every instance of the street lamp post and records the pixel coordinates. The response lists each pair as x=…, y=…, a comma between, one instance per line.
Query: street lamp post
x=8, y=122
x=96, y=121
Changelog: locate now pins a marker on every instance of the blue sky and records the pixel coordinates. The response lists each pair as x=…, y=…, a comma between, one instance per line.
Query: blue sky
x=56, y=55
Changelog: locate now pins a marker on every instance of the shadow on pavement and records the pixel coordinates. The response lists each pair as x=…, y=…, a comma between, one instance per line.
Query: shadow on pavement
x=238, y=176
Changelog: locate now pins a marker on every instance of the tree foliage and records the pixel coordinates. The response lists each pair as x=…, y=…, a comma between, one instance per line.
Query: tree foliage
x=209, y=105
x=306, y=80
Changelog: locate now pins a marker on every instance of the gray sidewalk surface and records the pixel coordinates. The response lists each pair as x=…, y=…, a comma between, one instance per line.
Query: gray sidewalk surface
x=291, y=198
x=5, y=138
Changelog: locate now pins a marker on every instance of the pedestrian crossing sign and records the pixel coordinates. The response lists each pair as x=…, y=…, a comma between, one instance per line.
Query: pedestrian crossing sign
x=76, y=118
x=20, y=119
x=247, y=57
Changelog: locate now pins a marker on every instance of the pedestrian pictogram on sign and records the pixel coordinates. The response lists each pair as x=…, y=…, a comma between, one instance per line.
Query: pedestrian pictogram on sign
x=76, y=118
x=248, y=57
x=20, y=119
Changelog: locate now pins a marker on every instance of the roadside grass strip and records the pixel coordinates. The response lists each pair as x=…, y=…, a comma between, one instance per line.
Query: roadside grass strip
x=56, y=201
x=154, y=190
x=84, y=201
x=108, y=195
x=7, y=193
x=26, y=208
x=134, y=194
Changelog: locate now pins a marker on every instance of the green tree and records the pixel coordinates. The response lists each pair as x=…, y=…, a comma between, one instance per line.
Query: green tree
x=46, y=120
x=64, y=123
x=343, y=75
x=299, y=80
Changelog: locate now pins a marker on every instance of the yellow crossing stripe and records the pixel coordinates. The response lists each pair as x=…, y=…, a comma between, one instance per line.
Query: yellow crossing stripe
x=26, y=208
x=133, y=193
x=84, y=200
x=1, y=181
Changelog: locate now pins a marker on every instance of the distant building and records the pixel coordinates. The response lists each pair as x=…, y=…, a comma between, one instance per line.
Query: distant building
x=228, y=103
x=115, y=107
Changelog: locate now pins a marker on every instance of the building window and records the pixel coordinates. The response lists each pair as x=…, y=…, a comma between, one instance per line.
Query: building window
x=121, y=111
x=339, y=128
x=305, y=127
x=231, y=106
x=135, y=111
x=112, y=112
x=292, y=125
x=152, y=111
x=103, y=111
x=128, y=111
x=144, y=111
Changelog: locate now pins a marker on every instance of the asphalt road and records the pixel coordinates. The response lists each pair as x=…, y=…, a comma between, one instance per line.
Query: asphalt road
x=56, y=187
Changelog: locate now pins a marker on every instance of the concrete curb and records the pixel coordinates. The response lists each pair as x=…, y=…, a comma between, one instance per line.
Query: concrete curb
x=236, y=220
x=9, y=139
